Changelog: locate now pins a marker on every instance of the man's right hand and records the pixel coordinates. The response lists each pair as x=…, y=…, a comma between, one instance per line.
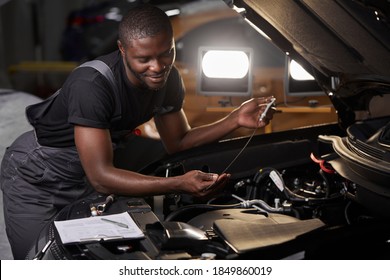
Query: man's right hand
x=201, y=184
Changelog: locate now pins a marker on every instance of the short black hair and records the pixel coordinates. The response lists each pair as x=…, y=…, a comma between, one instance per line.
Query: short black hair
x=143, y=21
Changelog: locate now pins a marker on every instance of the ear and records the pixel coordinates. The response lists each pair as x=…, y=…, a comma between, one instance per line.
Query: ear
x=121, y=47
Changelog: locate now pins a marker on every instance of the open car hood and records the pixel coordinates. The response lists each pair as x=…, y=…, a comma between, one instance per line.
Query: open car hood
x=344, y=44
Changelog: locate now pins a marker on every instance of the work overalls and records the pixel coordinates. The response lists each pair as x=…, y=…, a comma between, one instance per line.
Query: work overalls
x=38, y=181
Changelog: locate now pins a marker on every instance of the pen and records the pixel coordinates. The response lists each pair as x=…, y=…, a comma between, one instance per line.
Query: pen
x=41, y=254
x=115, y=222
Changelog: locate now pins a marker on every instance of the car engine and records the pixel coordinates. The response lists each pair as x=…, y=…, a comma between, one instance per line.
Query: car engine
x=286, y=199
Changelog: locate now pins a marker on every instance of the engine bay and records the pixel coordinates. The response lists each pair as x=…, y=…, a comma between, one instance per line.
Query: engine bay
x=284, y=200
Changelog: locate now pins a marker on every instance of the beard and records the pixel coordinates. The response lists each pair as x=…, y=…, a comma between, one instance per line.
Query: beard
x=143, y=77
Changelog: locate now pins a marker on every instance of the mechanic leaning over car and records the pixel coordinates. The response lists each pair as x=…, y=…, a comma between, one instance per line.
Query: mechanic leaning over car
x=69, y=154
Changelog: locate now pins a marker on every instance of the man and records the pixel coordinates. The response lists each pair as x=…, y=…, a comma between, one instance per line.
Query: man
x=70, y=152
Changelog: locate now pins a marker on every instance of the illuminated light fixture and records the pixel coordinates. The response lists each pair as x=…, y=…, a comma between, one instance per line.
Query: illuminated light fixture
x=225, y=64
x=173, y=12
x=298, y=82
x=298, y=72
x=225, y=71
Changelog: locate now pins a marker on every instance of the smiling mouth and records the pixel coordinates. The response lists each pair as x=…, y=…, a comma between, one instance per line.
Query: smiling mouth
x=156, y=78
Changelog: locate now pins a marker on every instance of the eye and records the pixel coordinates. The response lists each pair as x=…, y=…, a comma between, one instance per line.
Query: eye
x=143, y=60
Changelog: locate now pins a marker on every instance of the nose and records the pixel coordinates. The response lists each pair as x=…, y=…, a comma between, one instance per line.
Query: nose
x=157, y=66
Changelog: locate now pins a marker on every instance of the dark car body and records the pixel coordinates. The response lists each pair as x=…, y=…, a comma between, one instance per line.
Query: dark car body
x=346, y=45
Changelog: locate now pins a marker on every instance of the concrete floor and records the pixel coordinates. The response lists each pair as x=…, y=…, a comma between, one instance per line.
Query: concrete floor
x=12, y=123
x=5, y=250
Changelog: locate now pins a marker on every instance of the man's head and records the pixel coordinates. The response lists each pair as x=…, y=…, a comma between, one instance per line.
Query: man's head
x=147, y=46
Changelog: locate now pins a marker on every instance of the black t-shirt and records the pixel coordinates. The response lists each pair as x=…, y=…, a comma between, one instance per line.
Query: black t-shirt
x=88, y=99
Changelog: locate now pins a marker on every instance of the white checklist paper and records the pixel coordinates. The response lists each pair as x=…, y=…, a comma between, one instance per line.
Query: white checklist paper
x=96, y=228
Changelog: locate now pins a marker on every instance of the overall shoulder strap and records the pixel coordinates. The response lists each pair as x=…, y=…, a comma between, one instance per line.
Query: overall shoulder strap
x=105, y=70
x=35, y=111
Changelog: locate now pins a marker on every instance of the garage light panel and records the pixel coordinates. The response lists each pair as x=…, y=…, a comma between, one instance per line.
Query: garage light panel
x=225, y=71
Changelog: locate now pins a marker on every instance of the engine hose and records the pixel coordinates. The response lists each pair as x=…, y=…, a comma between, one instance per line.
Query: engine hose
x=263, y=205
x=279, y=183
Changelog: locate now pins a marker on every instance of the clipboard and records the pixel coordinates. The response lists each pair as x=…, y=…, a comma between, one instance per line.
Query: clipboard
x=98, y=228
